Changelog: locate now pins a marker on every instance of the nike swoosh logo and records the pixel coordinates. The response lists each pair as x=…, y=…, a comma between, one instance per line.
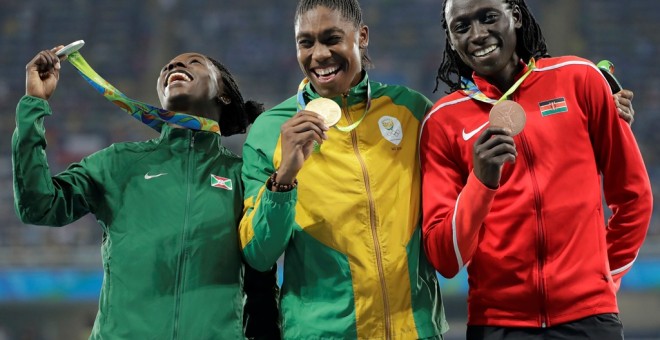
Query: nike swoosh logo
x=468, y=135
x=147, y=176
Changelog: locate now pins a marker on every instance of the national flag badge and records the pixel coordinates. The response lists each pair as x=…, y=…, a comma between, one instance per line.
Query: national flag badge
x=550, y=107
x=221, y=182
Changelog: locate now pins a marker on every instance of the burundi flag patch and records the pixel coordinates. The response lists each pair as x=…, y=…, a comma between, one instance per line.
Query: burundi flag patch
x=550, y=107
x=221, y=182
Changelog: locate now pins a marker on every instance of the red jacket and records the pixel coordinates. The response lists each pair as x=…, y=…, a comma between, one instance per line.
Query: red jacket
x=537, y=250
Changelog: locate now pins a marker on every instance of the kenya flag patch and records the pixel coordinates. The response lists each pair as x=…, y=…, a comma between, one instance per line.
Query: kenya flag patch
x=550, y=107
x=221, y=182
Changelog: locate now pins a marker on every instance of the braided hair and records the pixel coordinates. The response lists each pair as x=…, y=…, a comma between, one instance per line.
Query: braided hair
x=238, y=114
x=349, y=9
x=530, y=44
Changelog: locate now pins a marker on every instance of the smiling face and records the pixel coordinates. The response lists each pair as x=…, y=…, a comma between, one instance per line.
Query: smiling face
x=483, y=34
x=328, y=47
x=190, y=82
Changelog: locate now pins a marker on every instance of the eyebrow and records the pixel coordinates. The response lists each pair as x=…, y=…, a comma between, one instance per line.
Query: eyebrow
x=478, y=13
x=325, y=32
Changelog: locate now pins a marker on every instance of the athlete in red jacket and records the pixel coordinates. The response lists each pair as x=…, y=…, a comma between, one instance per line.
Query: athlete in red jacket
x=524, y=213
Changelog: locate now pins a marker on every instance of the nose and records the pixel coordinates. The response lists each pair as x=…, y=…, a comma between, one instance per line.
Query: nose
x=478, y=31
x=321, y=52
x=174, y=64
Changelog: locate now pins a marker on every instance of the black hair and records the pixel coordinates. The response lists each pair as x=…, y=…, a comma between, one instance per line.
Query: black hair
x=238, y=114
x=530, y=44
x=349, y=9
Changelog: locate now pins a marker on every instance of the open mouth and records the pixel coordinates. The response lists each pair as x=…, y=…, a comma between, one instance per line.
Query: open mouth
x=177, y=77
x=326, y=73
x=484, y=51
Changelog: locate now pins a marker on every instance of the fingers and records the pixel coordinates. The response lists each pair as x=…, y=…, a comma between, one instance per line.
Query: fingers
x=495, y=146
x=623, y=100
x=306, y=125
x=44, y=63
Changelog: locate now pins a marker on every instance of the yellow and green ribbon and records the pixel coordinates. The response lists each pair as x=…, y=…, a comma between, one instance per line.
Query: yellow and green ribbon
x=150, y=115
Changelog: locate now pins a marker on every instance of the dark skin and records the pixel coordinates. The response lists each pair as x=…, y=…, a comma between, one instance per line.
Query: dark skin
x=483, y=33
x=329, y=49
x=190, y=83
x=200, y=94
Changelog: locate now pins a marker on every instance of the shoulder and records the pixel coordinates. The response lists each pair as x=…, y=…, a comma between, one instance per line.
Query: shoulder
x=123, y=151
x=446, y=104
x=265, y=130
x=565, y=64
x=400, y=95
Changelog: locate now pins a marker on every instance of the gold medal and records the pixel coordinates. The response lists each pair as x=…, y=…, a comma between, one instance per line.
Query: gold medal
x=328, y=109
x=508, y=114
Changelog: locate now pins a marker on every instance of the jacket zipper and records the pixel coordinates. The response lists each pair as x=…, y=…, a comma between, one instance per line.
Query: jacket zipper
x=184, y=249
x=372, y=220
x=540, y=246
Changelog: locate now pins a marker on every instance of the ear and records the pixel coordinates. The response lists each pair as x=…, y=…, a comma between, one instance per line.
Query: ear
x=517, y=16
x=363, y=37
x=224, y=99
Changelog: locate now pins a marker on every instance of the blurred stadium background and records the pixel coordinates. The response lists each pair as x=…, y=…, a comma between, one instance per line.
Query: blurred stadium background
x=49, y=277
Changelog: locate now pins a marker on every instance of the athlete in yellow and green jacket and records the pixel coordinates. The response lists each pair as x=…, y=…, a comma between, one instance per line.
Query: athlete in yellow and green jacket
x=354, y=267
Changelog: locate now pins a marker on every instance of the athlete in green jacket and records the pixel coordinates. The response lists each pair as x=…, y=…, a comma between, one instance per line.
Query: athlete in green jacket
x=346, y=214
x=169, y=209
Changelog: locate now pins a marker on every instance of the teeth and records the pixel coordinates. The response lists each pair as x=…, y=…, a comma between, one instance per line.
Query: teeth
x=485, y=51
x=177, y=76
x=326, y=71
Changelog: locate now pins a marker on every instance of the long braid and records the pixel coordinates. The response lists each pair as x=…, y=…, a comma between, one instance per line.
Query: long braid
x=238, y=114
x=349, y=9
x=530, y=43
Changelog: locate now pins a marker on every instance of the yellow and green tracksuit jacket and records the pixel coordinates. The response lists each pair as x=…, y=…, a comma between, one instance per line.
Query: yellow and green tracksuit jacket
x=354, y=266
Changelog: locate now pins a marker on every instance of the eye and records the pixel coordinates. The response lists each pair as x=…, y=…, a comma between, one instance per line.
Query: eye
x=195, y=61
x=305, y=43
x=490, y=17
x=334, y=39
x=460, y=28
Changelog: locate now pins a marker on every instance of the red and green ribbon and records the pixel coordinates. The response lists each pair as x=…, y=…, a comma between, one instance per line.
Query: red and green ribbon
x=150, y=115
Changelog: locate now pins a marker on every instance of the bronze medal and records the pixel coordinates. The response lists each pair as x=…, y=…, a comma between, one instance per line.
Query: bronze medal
x=508, y=114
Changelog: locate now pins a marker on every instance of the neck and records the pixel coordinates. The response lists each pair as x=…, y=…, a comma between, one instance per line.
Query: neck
x=504, y=79
x=204, y=110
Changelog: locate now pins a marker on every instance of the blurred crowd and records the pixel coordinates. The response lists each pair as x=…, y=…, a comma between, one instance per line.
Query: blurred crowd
x=128, y=41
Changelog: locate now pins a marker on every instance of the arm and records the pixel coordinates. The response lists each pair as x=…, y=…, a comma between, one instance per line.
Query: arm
x=269, y=216
x=38, y=197
x=626, y=184
x=453, y=209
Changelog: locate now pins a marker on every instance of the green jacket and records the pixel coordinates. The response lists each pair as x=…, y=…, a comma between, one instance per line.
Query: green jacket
x=354, y=266
x=169, y=209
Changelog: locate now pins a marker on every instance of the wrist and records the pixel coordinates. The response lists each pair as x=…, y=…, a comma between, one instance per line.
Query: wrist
x=274, y=184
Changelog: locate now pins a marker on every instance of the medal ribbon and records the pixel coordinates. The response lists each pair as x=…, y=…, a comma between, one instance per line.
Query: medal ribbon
x=150, y=115
x=471, y=89
x=302, y=105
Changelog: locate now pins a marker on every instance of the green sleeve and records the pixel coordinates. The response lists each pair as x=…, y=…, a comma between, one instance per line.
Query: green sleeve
x=268, y=217
x=38, y=197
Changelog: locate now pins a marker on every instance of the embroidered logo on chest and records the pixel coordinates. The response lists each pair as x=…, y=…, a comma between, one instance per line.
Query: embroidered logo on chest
x=553, y=106
x=221, y=182
x=391, y=130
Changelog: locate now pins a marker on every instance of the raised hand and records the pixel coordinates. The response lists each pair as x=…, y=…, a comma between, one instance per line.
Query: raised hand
x=298, y=136
x=42, y=74
x=492, y=149
x=623, y=100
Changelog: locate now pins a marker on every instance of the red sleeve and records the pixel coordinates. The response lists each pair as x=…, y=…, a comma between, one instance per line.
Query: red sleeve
x=626, y=183
x=453, y=209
